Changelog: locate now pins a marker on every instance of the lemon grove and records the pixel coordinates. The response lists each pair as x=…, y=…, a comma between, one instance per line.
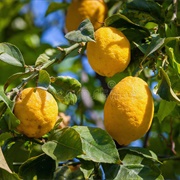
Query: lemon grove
x=132, y=94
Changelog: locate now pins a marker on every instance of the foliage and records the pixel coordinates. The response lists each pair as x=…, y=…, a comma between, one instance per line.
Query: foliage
x=84, y=150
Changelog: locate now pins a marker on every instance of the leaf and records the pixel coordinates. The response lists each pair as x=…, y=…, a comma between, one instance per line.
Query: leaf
x=165, y=108
x=63, y=145
x=43, y=79
x=148, y=6
x=96, y=145
x=4, y=137
x=14, y=77
x=164, y=88
x=84, y=33
x=42, y=59
x=65, y=89
x=6, y=175
x=11, y=54
x=41, y=166
x=55, y=6
x=132, y=31
x=136, y=164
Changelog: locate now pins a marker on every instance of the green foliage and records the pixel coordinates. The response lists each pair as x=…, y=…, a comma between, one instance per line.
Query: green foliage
x=81, y=151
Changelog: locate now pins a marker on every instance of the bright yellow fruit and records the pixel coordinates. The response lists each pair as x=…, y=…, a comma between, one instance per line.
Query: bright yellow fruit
x=37, y=111
x=79, y=10
x=128, y=110
x=110, y=53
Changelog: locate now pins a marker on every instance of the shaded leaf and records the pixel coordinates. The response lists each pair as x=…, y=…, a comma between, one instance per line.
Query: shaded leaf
x=135, y=165
x=7, y=175
x=11, y=54
x=4, y=137
x=148, y=6
x=65, y=89
x=43, y=79
x=96, y=145
x=63, y=145
x=165, y=108
x=41, y=166
x=132, y=31
x=42, y=59
x=55, y=6
x=164, y=88
x=84, y=33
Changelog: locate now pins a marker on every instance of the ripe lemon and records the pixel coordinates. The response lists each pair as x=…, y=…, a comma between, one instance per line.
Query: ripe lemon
x=37, y=111
x=128, y=110
x=110, y=53
x=80, y=10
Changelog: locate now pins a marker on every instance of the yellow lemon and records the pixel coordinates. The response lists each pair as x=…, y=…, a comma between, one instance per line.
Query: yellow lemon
x=37, y=111
x=110, y=53
x=128, y=110
x=79, y=10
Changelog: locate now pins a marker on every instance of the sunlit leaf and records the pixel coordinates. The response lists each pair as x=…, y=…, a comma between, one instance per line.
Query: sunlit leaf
x=65, y=89
x=41, y=166
x=135, y=165
x=84, y=33
x=43, y=79
x=11, y=54
x=63, y=145
x=42, y=59
x=97, y=144
x=165, y=108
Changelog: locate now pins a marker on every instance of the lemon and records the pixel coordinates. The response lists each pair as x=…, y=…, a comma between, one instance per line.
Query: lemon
x=79, y=10
x=128, y=110
x=37, y=111
x=110, y=53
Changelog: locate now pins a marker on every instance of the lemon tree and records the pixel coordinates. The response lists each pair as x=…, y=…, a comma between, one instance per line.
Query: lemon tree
x=103, y=105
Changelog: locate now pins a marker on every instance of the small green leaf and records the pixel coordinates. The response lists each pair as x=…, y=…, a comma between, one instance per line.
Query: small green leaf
x=42, y=59
x=164, y=88
x=96, y=145
x=165, y=108
x=43, y=79
x=7, y=175
x=63, y=145
x=4, y=137
x=11, y=54
x=41, y=166
x=65, y=89
x=84, y=33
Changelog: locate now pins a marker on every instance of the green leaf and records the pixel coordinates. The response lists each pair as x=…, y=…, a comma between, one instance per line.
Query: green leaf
x=65, y=89
x=5, y=99
x=96, y=145
x=172, y=59
x=165, y=108
x=55, y=6
x=15, y=76
x=4, y=137
x=43, y=79
x=11, y=54
x=84, y=33
x=136, y=164
x=42, y=59
x=132, y=31
x=164, y=88
x=6, y=175
x=41, y=166
x=8, y=121
x=63, y=145
x=148, y=6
